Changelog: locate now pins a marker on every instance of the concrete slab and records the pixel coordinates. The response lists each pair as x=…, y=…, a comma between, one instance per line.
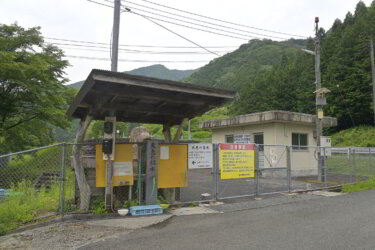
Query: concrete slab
x=131, y=223
x=192, y=211
x=326, y=193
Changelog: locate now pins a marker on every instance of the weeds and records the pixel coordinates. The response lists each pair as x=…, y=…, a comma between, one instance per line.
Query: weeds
x=25, y=204
x=359, y=186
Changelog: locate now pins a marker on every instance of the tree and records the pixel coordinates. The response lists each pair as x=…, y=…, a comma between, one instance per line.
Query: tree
x=32, y=94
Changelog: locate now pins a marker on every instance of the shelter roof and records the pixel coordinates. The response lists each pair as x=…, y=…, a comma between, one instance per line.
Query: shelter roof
x=143, y=99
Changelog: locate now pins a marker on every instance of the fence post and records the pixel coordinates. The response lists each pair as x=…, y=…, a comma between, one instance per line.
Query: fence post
x=369, y=162
x=324, y=169
x=215, y=168
x=62, y=179
x=257, y=170
x=354, y=178
x=289, y=168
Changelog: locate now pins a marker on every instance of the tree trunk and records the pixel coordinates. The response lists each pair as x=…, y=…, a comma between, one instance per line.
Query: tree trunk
x=84, y=188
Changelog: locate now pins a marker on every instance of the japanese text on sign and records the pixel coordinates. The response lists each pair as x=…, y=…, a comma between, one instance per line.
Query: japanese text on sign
x=200, y=155
x=237, y=161
x=243, y=139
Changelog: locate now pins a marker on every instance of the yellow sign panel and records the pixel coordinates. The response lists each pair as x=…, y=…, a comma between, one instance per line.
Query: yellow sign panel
x=123, y=164
x=173, y=169
x=237, y=161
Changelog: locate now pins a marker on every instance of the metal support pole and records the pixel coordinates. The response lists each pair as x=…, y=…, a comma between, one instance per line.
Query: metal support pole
x=62, y=179
x=373, y=75
x=289, y=168
x=257, y=170
x=214, y=171
x=318, y=86
x=354, y=178
x=115, y=34
x=324, y=169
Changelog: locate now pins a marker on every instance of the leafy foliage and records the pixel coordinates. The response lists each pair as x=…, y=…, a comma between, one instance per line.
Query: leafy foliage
x=31, y=87
x=361, y=136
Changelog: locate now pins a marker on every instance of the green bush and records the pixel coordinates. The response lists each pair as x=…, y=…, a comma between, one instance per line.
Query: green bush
x=28, y=167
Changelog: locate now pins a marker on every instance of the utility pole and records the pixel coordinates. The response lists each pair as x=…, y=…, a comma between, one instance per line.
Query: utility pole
x=317, y=87
x=373, y=75
x=112, y=118
x=115, y=35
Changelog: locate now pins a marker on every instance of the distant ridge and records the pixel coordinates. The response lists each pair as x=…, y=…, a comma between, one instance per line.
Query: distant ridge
x=157, y=71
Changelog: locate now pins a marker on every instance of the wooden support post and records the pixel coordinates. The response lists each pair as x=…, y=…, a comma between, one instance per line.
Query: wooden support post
x=84, y=188
x=167, y=133
x=179, y=131
x=168, y=193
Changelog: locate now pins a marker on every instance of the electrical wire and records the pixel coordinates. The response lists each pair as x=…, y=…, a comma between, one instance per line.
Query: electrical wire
x=141, y=46
x=170, y=13
x=130, y=60
x=189, y=27
x=200, y=25
x=90, y=48
x=223, y=21
x=173, y=32
x=182, y=25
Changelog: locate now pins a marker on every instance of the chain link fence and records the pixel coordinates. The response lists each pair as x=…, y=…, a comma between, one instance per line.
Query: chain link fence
x=44, y=180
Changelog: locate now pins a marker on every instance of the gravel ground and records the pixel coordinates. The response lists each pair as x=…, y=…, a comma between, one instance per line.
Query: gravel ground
x=65, y=235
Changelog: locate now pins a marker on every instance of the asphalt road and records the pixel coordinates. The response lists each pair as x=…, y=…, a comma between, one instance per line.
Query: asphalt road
x=343, y=222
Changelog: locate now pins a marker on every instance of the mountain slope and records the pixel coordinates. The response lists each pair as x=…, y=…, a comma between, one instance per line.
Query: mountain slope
x=157, y=71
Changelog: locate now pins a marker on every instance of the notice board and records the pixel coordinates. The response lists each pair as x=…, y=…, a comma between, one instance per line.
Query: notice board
x=237, y=161
x=122, y=166
x=200, y=155
x=173, y=169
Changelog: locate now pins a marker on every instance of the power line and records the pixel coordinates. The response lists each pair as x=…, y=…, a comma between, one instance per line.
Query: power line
x=201, y=25
x=130, y=60
x=135, y=51
x=199, y=20
x=194, y=28
x=182, y=25
x=223, y=21
x=174, y=32
x=141, y=46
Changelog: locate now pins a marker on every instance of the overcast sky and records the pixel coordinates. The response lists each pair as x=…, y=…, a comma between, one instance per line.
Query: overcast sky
x=85, y=21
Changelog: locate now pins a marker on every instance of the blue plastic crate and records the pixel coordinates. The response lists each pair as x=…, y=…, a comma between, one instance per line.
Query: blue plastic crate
x=145, y=210
x=3, y=193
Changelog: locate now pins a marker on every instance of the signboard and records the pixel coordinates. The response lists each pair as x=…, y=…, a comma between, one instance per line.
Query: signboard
x=243, y=139
x=237, y=161
x=164, y=153
x=123, y=168
x=200, y=155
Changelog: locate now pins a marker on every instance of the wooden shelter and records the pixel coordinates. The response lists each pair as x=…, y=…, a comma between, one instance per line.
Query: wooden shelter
x=137, y=99
x=143, y=99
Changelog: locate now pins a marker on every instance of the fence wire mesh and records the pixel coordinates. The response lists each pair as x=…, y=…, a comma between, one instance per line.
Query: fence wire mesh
x=45, y=178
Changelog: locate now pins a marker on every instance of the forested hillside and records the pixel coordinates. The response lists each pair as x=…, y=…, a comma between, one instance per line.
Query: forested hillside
x=278, y=75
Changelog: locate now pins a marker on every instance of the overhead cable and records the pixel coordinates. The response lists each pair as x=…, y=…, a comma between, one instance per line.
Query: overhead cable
x=223, y=21
x=199, y=20
x=130, y=60
x=133, y=45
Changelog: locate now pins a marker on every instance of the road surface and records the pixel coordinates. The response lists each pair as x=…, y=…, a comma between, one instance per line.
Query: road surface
x=342, y=222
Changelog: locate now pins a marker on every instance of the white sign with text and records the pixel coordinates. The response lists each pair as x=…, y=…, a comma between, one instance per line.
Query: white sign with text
x=200, y=155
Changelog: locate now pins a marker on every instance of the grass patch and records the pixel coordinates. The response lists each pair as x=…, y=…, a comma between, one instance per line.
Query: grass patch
x=359, y=186
x=25, y=204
